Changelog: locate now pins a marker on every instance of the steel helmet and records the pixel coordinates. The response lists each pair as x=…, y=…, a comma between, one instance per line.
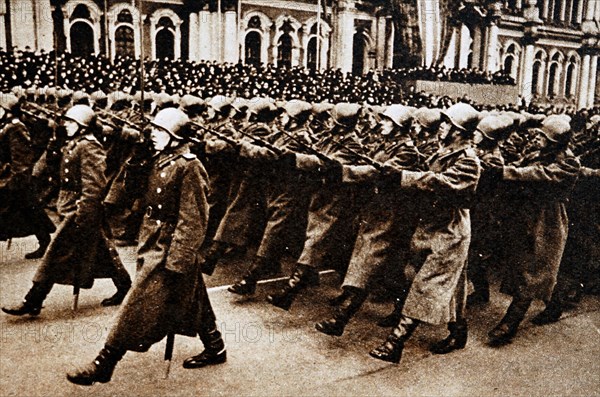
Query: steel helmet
x=496, y=128
x=173, y=121
x=463, y=116
x=82, y=115
x=399, y=114
x=9, y=102
x=428, y=118
x=556, y=128
x=220, y=103
x=297, y=108
x=345, y=114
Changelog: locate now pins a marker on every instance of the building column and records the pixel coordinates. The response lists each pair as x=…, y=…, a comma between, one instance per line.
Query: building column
x=579, y=17
x=3, y=26
x=193, y=40
x=381, y=41
x=477, y=47
x=216, y=39
x=590, y=10
x=345, y=44
x=527, y=73
x=450, y=57
x=389, y=63
x=205, y=35
x=593, y=80
x=231, y=47
x=493, y=53
x=584, y=81
x=465, y=47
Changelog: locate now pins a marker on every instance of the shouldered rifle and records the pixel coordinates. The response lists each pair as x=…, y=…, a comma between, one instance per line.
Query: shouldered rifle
x=128, y=123
x=215, y=133
x=262, y=142
x=306, y=146
x=360, y=156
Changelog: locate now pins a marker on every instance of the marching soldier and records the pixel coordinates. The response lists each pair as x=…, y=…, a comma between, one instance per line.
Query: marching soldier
x=540, y=185
x=21, y=213
x=387, y=220
x=169, y=295
x=81, y=250
x=331, y=229
x=440, y=243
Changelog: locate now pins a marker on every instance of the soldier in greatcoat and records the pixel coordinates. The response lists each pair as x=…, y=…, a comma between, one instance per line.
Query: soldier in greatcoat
x=81, y=250
x=540, y=185
x=441, y=241
x=169, y=295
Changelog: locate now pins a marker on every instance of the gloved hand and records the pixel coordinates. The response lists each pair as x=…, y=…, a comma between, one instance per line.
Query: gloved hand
x=333, y=172
x=287, y=160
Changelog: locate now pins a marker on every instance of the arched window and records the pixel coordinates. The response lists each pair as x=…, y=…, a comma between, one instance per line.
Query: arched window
x=554, y=71
x=284, y=51
x=82, y=39
x=253, y=45
x=311, y=54
x=165, y=31
x=124, y=41
x=569, y=82
x=508, y=64
x=552, y=76
x=358, y=53
x=536, y=80
x=165, y=39
x=80, y=12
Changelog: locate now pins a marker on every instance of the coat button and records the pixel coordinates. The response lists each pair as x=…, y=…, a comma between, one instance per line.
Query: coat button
x=67, y=161
x=158, y=190
x=66, y=170
x=159, y=206
x=66, y=179
x=158, y=222
x=163, y=174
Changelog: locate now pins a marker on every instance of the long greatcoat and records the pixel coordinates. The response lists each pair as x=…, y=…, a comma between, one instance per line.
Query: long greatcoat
x=21, y=214
x=81, y=250
x=540, y=187
x=168, y=289
x=440, y=244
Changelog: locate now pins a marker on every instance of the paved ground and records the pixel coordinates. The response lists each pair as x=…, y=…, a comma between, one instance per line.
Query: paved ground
x=276, y=353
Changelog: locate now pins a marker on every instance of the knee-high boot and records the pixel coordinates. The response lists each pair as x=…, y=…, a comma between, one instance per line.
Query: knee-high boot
x=44, y=242
x=335, y=326
x=456, y=340
x=391, y=349
x=100, y=370
x=304, y=276
x=261, y=267
x=32, y=304
x=505, y=331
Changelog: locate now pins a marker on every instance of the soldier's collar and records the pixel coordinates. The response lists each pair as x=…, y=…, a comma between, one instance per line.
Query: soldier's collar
x=171, y=154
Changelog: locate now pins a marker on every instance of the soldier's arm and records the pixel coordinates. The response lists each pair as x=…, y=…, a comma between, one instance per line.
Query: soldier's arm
x=461, y=177
x=93, y=180
x=555, y=173
x=191, y=221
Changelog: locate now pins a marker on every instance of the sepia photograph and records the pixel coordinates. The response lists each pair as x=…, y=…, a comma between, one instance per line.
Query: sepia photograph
x=300, y=198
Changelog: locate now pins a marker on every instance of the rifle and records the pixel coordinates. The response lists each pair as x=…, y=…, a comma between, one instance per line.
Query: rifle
x=128, y=123
x=311, y=149
x=261, y=142
x=360, y=156
x=215, y=133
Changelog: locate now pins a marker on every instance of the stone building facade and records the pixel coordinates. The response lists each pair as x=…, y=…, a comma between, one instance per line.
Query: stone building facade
x=550, y=47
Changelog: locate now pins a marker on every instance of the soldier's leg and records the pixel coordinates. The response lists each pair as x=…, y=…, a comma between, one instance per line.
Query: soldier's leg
x=505, y=331
x=32, y=304
x=100, y=370
x=214, y=347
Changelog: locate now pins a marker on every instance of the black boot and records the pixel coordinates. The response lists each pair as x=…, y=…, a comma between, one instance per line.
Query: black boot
x=214, y=254
x=44, y=242
x=391, y=320
x=117, y=298
x=100, y=370
x=261, y=268
x=551, y=314
x=335, y=326
x=303, y=277
x=505, y=331
x=338, y=300
x=479, y=297
x=32, y=304
x=391, y=349
x=214, y=351
x=455, y=341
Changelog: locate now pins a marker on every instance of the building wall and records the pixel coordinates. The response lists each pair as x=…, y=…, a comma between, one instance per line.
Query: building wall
x=550, y=46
